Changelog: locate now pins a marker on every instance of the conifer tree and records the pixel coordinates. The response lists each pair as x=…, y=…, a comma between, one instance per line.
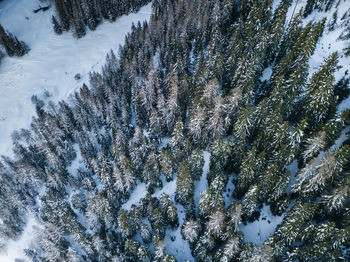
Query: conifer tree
x=196, y=161
x=166, y=162
x=56, y=26
x=249, y=170
x=190, y=230
x=251, y=201
x=220, y=152
x=125, y=223
x=151, y=172
x=212, y=199
x=319, y=93
x=178, y=141
x=185, y=186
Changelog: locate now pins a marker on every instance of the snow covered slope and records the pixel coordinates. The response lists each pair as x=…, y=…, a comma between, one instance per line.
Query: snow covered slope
x=52, y=62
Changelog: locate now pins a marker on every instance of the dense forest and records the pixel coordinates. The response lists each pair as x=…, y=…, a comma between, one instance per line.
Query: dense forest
x=77, y=14
x=185, y=83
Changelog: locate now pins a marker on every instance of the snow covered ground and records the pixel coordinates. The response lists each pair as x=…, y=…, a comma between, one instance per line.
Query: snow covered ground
x=261, y=229
x=52, y=62
x=50, y=66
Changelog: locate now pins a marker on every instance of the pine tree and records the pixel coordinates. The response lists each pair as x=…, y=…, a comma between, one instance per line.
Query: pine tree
x=291, y=229
x=319, y=93
x=231, y=249
x=125, y=223
x=166, y=162
x=190, y=230
x=215, y=225
x=314, y=145
x=177, y=141
x=251, y=201
x=212, y=199
x=56, y=26
x=151, y=172
x=324, y=173
x=145, y=233
x=196, y=161
x=310, y=5
x=185, y=186
x=336, y=199
x=220, y=153
x=263, y=253
x=249, y=170
x=241, y=131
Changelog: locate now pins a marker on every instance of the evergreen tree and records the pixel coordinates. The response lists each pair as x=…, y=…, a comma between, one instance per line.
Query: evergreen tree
x=190, y=230
x=166, y=162
x=319, y=93
x=251, y=201
x=196, y=161
x=212, y=199
x=56, y=26
x=185, y=186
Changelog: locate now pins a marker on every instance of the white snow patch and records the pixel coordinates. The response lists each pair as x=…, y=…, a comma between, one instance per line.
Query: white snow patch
x=266, y=74
x=275, y=4
x=179, y=247
x=261, y=229
x=52, y=62
x=165, y=141
x=293, y=169
x=168, y=188
x=136, y=195
x=230, y=187
x=201, y=185
x=76, y=163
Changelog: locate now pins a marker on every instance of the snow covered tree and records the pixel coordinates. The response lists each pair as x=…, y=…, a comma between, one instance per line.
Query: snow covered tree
x=216, y=225
x=196, y=161
x=190, y=230
x=273, y=183
x=177, y=141
x=231, y=249
x=185, y=186
x=241, y=131
x=220, y=153
x=319, y=93
x=151, y=172
x=314, y=145
x=318, y=177
x=173, y=108
x=125, y=223
x=145, y=233
x=291, y=229
x=166, y=162
x=336, y=199
x=212, y=198
x=251, y=201
x=249, y=170
x=263, y=253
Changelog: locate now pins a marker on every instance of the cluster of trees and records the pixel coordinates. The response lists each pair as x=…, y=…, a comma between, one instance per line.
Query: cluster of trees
x=11, y=44
x=191, y=76
x=77, y=14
